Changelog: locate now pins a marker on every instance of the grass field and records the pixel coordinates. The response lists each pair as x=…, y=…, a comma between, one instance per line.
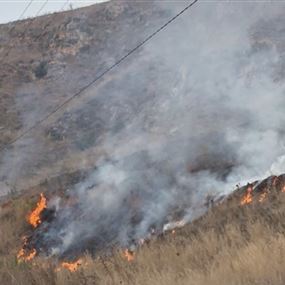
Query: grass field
x=231, y=244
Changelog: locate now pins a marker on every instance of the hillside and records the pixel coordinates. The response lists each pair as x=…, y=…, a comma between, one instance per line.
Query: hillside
x=231, y=244
x=44, y=61
x=169, y=169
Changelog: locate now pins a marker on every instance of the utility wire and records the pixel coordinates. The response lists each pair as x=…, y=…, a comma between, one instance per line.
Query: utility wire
x=31, y=21
x=61, y=9
x=22, y=14
x=29, y=24
x=64, y=4
x=41, y=8
x=25, y=10
x=84, y=88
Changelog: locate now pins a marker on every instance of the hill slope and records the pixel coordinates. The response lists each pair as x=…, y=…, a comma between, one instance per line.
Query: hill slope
x=46, y=60
x=231, y=244
x=184, y=120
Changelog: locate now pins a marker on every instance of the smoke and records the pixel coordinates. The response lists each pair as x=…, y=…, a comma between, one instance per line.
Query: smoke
x=195, y=112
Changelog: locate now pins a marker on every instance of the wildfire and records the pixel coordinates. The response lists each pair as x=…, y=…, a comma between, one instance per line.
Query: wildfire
x=30, y=256
x=247, y=199
x=129, y=255
x=72, y=266
x=262, y=197
x=34, y=218
x=23, y=255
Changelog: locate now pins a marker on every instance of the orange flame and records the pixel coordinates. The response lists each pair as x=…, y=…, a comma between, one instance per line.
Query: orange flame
x=247, y=199
x=72, y=266
x=283, y=189
x=31, y=255
x=34, y=218
x=22, y=254
x=262, y=197
x=129, y=255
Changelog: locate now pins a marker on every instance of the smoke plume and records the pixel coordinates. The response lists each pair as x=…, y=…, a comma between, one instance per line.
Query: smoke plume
x=198, y=110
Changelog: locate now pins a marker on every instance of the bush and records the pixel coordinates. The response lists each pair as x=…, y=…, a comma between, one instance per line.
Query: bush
x=41, y=70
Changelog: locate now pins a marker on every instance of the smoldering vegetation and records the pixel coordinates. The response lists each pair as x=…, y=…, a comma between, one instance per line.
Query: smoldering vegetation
x=198, y=111
x=231, y=244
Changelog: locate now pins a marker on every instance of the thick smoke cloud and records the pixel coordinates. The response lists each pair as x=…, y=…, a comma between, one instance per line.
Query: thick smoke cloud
x=198, y=110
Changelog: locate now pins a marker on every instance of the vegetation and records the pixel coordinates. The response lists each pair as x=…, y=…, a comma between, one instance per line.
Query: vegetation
x=41, y=70
x=231, y=244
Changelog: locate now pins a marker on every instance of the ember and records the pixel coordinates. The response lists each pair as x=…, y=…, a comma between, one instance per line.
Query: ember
x=129, y=255
x=247, y=199
x=23, y=255
x=34, y=218
x=71, y=266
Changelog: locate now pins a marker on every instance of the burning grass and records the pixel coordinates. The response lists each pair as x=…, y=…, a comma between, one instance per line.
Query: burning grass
x=231, y=244
x=35, y=217
x=247, y=199
x=129, y=255
x=71, y=266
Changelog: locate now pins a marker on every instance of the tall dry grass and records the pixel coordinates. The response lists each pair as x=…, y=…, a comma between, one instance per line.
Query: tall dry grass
x=229, y=245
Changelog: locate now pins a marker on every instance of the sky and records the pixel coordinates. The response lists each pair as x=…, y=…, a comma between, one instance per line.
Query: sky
x=12, y=10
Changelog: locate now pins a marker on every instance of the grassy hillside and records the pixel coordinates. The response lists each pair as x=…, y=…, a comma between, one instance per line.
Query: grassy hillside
x=44, y=61
x=52, y=57
x=231, y=244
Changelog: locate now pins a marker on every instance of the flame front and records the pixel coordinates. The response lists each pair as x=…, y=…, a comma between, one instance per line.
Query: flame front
x=29, y=257
x=71, y=266
x=23, y=255
x=34, y=218
x=247, y=199
x=129, y=255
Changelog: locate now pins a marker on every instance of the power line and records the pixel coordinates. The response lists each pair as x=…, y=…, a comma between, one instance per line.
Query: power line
x=64, y=4
x=37, y=14
x=22, y=14
x=84, y=88
x=41, y=8
x=61, y=9
x=29, y=24
x=25, y=10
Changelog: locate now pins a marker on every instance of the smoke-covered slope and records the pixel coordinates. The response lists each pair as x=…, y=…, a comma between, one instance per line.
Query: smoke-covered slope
x=231, y=244
x=205, y=94
x=46, y=60
x=193, y=113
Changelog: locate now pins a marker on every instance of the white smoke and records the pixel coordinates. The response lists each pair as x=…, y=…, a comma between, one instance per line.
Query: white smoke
x=197, y=111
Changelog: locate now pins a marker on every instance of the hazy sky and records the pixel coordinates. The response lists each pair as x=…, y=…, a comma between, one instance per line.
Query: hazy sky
x=11, y=10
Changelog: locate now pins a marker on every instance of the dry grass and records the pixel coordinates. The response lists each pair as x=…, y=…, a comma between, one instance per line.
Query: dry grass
x=229, y=245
